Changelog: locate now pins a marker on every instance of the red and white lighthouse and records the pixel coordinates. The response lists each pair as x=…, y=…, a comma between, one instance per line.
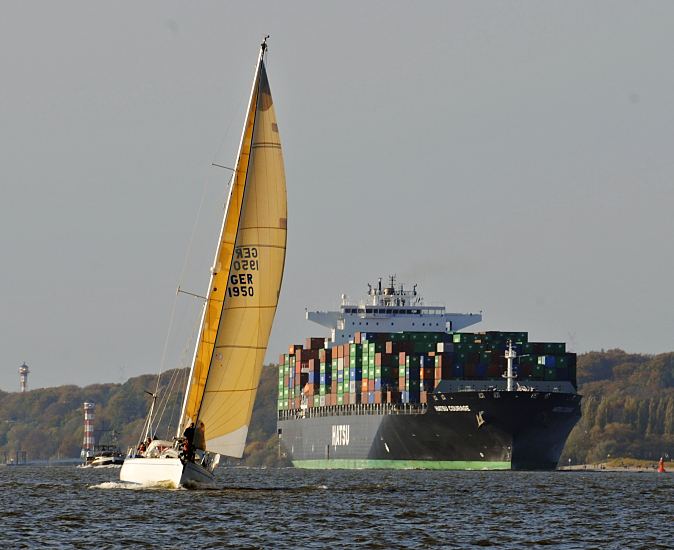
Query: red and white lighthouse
x=88, y=444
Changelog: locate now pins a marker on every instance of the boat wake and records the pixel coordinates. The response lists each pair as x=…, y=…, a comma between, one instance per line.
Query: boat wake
x=162, y=485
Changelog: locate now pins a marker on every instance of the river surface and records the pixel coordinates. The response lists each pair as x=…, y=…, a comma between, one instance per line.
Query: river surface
x=70, y=507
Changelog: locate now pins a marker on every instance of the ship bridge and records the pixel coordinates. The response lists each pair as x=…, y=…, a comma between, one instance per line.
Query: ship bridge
x=390, y=308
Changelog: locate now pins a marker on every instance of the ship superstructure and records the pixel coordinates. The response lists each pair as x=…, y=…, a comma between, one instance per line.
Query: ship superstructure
x=396, y=385
x=389, y=309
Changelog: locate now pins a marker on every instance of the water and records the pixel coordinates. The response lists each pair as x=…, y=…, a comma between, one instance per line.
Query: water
x=65, y=506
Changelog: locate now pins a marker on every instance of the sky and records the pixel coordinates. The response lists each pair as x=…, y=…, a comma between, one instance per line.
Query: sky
x=513, y=158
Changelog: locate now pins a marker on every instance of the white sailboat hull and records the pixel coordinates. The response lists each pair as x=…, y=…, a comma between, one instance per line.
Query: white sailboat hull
x=164, y=471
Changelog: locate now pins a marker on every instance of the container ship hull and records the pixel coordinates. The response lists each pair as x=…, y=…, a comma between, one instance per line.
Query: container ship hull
x=398, y=384
x=465, y=430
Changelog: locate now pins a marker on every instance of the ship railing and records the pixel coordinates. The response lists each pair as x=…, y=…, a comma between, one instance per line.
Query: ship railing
x=361, y=409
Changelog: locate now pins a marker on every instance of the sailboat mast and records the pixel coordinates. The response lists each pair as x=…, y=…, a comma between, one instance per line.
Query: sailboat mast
x=182, y=421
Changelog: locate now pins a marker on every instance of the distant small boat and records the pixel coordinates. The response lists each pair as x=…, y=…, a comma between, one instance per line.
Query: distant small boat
x=104, y=455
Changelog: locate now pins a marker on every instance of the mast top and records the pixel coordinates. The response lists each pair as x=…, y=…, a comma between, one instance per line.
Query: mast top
x=264, y=44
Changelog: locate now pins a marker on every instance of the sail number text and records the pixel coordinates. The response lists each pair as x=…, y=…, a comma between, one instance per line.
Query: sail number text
x=245, y=260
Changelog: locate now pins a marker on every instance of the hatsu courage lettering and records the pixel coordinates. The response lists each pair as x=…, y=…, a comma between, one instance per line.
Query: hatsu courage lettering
x=340, y=435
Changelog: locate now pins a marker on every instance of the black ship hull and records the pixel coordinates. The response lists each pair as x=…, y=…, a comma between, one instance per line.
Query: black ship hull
x=461, y=431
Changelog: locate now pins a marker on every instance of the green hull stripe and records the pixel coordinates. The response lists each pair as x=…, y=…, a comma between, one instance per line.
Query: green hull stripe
x=364, y=464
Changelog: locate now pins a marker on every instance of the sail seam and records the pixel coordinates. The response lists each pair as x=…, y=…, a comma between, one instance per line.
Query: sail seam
x=247, y=307
x=264, y=245
x=266, y=227
x=237, y=346
x=230, y=391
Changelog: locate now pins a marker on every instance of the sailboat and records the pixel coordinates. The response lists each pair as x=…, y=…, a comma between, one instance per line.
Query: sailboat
x=238, y=312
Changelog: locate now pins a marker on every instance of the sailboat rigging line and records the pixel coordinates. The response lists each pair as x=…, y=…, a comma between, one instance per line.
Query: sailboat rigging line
x=147, y=425
x=163, y=403
x=259, y=68
x=166, y=341
x=180, y=380
x=181, y=291
x=221, y=166
x=179, y=375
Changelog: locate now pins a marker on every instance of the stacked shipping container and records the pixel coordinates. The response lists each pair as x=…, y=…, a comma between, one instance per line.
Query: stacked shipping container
x=403, y=367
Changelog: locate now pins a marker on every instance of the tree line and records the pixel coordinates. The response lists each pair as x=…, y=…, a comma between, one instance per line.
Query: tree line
x=627, y=411
x=627, y=407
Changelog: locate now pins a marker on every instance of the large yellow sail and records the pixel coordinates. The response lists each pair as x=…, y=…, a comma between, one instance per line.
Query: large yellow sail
x=245, y=283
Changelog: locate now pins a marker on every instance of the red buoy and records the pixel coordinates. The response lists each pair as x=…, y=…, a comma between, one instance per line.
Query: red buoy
x=661, y=466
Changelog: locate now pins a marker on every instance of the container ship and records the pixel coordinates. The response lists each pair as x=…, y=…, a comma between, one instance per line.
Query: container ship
x=399, y=384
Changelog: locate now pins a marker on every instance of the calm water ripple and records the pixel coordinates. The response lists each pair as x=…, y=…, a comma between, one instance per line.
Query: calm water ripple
x=69, y=507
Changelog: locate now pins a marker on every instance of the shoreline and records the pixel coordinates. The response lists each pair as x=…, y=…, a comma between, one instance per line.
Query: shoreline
x=604, y=467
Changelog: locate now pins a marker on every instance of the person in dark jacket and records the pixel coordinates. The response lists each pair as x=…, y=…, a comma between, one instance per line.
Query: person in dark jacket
x=188, y=435
x=200, y=437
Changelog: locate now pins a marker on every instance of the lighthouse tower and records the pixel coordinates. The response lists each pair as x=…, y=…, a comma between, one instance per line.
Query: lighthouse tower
x=23, y=377
x=88, y=444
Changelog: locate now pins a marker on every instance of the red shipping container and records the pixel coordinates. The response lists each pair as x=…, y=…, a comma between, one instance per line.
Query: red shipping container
x=293, y=348
x=314, y=343
x=524, y=371
x=494, y=370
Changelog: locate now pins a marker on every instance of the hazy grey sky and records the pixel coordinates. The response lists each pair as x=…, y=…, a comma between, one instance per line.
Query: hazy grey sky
x=510, y=157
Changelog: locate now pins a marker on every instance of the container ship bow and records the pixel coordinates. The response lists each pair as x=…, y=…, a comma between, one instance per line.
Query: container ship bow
x=399, y=385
